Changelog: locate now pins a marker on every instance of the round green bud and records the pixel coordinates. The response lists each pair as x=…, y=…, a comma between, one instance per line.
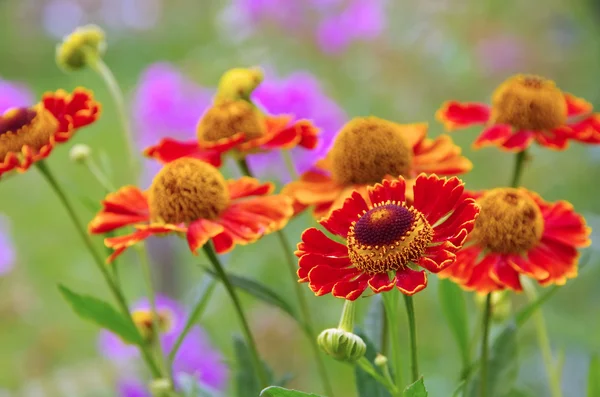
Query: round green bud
x=80, y=152
x=342, y=345
x=81, y=47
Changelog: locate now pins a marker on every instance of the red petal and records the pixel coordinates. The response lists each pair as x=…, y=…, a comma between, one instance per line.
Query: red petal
x=494, y=135
x=339, y=221
x=309, y=261
x=461, y=270
x=557, y=139
x=72, y=110
x=439, y=156
x=460, y=221
x=351, y=289
x=480, y=279
x=525, y=266
x=315, y=241
x=322, y=279
x=169, y=150
x=455, y=115
x=200, y=231
x=587, y=130
x=247, y=186
x=300, y=132
x=381, y=282
x=504, y=274
x=435, y=197
x=562, y=224
x=126, y=206
x=387, y=191
x=223, y=243
x=437, y=258
x=121, y=243
x=409, y=281
x=519, y=141
x=577, y=106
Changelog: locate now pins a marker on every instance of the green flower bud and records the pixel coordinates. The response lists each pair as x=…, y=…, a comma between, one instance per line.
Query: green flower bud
x=162, y=388
x=238, y=83
x=80, y=153
x=81, y=48
x=381, y=360
x=501, y=305
x=342, y=345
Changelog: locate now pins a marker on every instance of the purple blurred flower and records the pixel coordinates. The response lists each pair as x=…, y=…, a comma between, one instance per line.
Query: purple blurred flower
x=14, y=95
x=132, y=388
x=195, y=357
x=7, y=252
x=502, y=54
x=299, y=94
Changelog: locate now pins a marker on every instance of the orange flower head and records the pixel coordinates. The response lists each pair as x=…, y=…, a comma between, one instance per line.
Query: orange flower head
x=529, y=103
x=388, y=237
x=21, y=127
x=143, y=320
x=227, y=118
x=367, y=149
x=185, y=190
x=510, y=222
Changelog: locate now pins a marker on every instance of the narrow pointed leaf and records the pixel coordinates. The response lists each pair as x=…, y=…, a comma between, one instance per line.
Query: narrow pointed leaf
x=454, y=307
x=416, y=389
x=103, y=314
x=246, y=381
x=275, y=391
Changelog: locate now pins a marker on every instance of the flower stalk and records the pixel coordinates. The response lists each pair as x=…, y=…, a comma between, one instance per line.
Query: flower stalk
x=410, y=312
x=390, y=300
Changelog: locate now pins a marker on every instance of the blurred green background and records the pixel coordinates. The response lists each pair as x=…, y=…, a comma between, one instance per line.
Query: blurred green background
x=429, y=52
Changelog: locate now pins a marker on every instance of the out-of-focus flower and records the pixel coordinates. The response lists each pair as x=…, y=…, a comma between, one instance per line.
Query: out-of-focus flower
x=517, y=233
x=387, y=237
x=524, y=109
x=7, y=251
x=195, y=357
x=28, y=135
x=368, y=150
x=80, y=48
x=500, y=53
x=234, y=124
x=300, y=95
x=190, y=197
x=14, y=95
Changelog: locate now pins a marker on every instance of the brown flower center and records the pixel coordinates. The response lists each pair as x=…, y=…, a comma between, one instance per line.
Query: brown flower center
x=529, y=103
x=21, y=127
x=388, y=237
x=510, y=222
x=367, y=149
x=186, y=190
x=143, y=320
x=229, y=117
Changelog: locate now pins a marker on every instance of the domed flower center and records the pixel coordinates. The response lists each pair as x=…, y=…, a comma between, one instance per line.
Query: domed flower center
x=510, y=222
x=186, y=190
x=367, y=149
x=529, y=103
x=229, y=117
x=143, y=320
x=20, y=127
x=388, y=237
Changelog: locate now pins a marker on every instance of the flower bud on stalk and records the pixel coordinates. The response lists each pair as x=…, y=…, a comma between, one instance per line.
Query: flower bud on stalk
x=80, y=153
x=340, y=343
x=162, y=388
x=81, y=48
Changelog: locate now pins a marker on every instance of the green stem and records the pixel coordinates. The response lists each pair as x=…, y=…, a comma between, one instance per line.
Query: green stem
x=390, y=300
x=197, y=312
x=115, y=91
x=487, y=315
x=289, y=164
x=410, y=311
x=366, y=366
x=145, y=264
x=518, y=170
x=307, y=322
x=99, y=175
x=384, y=334
x=544, y=342
x=116, y=292
x=259, y=367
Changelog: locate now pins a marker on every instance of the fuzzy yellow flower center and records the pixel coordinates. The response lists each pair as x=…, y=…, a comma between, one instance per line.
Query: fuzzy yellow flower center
x=143, y=320
x=529, y=103
x=186, y=190
x=25, y=126
x=388, y=237
x=510, y=222
x=367, y=149
x=229, y=117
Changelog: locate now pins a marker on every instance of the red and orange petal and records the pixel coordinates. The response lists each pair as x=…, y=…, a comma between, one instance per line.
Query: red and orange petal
x=71, y=111
x=456, y=115
x=317, y=188
x=552, y=261
x=326, y=266
x=127, y=206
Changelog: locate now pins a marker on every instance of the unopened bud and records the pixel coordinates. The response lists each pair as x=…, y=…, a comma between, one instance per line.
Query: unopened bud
x=381, y=360
x=342, y=345
x=81, y=47
x=501, y=305
x=80, y=153
x=238, y=83
x=161, y=388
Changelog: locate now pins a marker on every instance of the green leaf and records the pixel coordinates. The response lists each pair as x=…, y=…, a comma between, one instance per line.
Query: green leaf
x=453, y=304
x=103, y=314
x=416, y=389
x=593, y=387
x=246, y=382
x=366, y=386
x=275, y=391
x=259, y=291
x=503, y=366
x=374, y=321
x=525, y=313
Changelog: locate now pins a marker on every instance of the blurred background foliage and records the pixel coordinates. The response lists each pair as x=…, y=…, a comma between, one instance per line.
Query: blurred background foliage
x=426, y=52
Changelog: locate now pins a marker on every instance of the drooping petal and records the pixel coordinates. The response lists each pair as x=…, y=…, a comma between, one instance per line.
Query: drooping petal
x=562, y=224
x=381, y=282
x=127, y=206
x=409, y=281
x=247, y=186
x=168, y=150
x=525, y=266
x=587, y=130
x=480, y=279
x=413, y=134
x=200, y=231
x=72, y=111
x=577, y=106
x=440, y=156
x=350, y=289
x=339, y=221
x=461, y=222
x=313, y=188
x=461, y=270
x=438, y=257
x=121, y=243
x=435, y=197
x=519, y=141
x=315, y=241
x=455, y=115
x=309, y=261
x=322, y=279
x=557, y=139
x=494, y=135
x=504, y=274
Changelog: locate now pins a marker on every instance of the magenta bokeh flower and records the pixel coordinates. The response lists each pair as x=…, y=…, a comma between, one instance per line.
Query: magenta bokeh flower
x=14, y=95
x=7, y=251
x=132, y=388
x=196, y=356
